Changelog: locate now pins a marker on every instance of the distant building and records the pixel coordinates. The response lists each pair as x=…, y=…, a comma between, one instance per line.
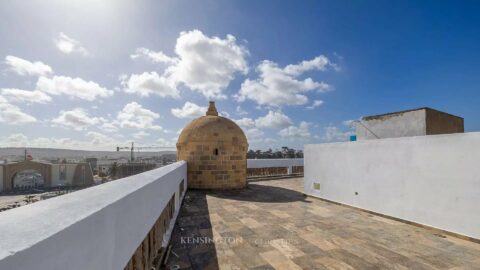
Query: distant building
x=416, y=122
x=93, y=164
x=34, y=174
x=124, y=170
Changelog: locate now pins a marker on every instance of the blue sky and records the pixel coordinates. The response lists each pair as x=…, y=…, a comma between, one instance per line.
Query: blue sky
x=96, y=74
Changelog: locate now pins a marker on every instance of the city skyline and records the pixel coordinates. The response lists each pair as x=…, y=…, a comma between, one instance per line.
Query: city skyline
x=89, y=75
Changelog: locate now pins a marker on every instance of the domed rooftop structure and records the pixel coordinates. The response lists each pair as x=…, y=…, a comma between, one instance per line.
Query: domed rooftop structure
x=215, y=149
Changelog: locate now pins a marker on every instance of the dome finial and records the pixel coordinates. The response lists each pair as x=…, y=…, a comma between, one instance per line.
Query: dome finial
x=211, y=109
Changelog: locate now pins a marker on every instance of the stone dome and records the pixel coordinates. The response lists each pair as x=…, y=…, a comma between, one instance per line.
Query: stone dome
x=215, y=150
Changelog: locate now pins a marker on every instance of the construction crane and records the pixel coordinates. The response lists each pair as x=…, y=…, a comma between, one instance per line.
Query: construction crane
x=132, y=149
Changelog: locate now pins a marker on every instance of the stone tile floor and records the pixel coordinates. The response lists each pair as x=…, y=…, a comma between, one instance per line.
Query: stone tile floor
x=272, y=225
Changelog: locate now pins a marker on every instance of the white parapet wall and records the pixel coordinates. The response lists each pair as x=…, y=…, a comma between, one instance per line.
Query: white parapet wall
x=431, y=180
x=270, y=163
x=94, y=228
x=274, y=163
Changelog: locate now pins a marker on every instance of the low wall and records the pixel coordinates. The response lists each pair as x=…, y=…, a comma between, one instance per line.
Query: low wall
x=266, y=163
x=431, y=180
x=101, y=227
x=274, y=167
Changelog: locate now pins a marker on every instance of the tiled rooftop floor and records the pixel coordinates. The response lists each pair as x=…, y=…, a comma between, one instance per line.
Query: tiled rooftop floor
x=271, y=225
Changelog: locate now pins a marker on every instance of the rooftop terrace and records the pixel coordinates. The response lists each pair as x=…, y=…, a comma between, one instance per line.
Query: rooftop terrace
x=272, y=225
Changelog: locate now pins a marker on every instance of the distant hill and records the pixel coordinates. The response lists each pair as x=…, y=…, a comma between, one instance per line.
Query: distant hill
x=17, y=153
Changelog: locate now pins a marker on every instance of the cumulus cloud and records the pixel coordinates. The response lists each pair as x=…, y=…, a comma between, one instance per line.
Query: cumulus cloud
x=141, y=134
x=155, y=57
x=320, y=62
x=99, y=139
x=202, y=63
x=24, y=96
x=93, y=141
x=189, y=110
x=76, y=119
x=245, y=122
x=240, y=111
x=207, y=64
x=300, y=132
x=133, y=115
x=169, y=143
x=68, y=45
x=108, y=127
x=273, y=120
x=13, y=115
x=72, y=87
x=24, y=67
x=316, y=103
x=278, y=86
x=254, y=134
x=150, y=83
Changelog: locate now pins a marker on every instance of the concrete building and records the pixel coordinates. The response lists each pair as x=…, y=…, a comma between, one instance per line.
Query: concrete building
x=48, y=174
x=215, y=149
x=415, y=122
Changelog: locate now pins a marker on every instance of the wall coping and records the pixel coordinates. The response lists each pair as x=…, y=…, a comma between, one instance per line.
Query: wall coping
x=406, y=139
x=28, y=225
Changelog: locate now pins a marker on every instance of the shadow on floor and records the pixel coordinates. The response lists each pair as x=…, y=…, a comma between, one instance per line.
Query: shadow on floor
x=192, y=239
x=261, y=193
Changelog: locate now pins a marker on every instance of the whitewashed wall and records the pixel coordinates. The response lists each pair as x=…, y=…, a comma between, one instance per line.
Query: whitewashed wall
x=94, y=228
x=268, y=163
x=432, y=180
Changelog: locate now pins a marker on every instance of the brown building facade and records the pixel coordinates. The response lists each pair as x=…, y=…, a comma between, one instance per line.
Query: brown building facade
x=69, y=174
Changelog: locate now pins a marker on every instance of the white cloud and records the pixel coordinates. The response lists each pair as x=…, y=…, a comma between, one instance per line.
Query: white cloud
x=166, y=142
x=99, y=139
x=24, y=96
x=133, y=115
x=300, y=132
x=108, y=127
x=13, y=115
x=156, y=57
x=24, y=67
x=203, y=64
x=254, y=134
x=141, y=134
x=150, y=83
x=320, y=62
x=245, y=122
x=334, y=134
x=73, y=87
x=273, y=120
x=316, y=103
x=240, y=111
x=93, y=141
x=281, y=86
x=68, y=45
x=189, y=110
x=224, y=114
x=208, y=64
x=77, y=119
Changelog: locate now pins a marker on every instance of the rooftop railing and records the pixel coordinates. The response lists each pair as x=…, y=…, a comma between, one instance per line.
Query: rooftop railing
x=267, y=168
